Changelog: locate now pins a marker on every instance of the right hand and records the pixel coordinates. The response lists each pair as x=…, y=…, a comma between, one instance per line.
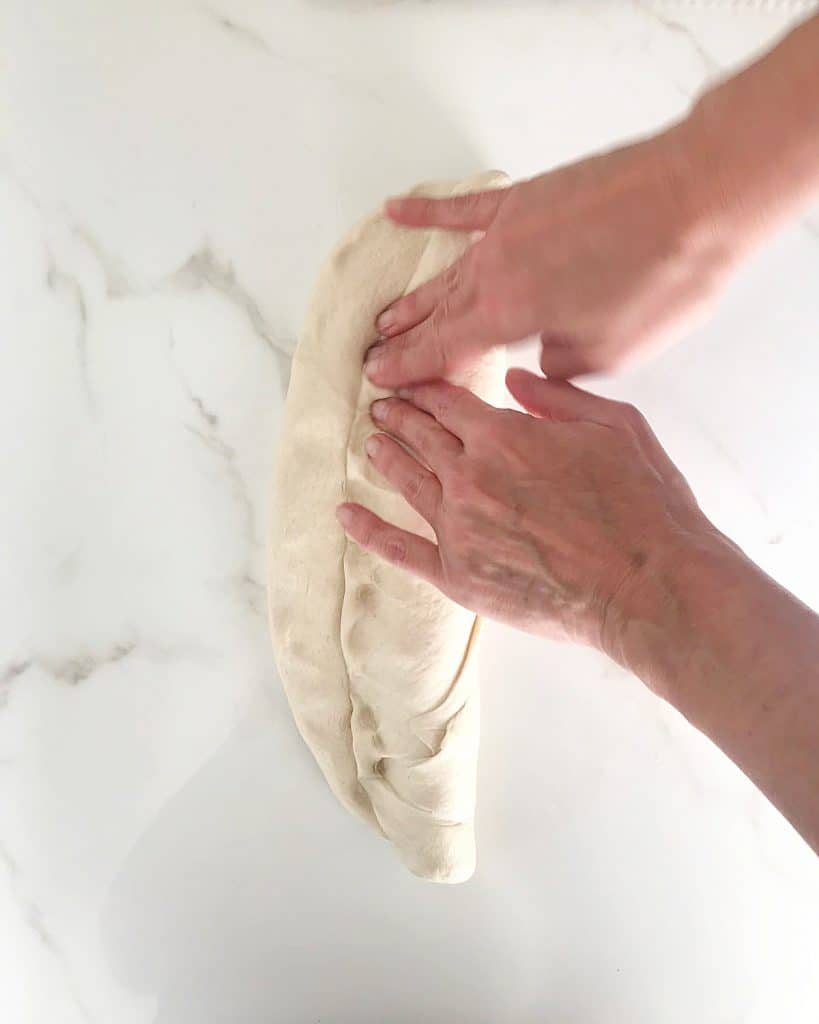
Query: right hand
x=554, y=522
x=599, y=258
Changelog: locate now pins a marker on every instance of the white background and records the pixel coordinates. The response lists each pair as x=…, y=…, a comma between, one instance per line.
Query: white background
x=171, y=175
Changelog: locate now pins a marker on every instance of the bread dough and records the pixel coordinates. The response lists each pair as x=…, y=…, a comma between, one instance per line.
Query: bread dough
x=379, y=667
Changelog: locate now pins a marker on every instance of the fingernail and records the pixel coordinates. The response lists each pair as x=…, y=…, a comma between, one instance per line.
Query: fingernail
x=374, y=364
x=378, y=410
x=372, y=445
x=386, y=321
x=404, y=393
x=344, y=514
x=372, y=350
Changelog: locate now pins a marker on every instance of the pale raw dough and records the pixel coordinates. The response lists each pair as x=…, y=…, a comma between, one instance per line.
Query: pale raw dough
x=379, y=667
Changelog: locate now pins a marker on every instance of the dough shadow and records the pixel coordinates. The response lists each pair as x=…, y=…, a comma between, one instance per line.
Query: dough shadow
x=254, y=897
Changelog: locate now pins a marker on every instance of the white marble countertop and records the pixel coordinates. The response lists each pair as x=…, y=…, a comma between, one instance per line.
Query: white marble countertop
x=171, y=175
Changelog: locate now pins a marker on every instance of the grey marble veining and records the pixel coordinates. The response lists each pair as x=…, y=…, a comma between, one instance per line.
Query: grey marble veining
x=171, y=176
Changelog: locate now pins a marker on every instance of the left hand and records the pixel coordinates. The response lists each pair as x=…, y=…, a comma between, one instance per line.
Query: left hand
x=600, y=258
x=549, y=522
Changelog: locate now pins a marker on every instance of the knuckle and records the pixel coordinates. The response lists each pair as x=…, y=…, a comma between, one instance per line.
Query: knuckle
x=474, y=562
x=394, y=549
x=409, y=345
x=506, y=425
x=384, y=455
x=632, y=416
x=390, y=412
x=469, y=203
x=452, y=276
x=416, y=489
x=396, y=412
x=400, y=346
x=444, y=402
x=405, y=306
x=440, y=314
x=447, y=362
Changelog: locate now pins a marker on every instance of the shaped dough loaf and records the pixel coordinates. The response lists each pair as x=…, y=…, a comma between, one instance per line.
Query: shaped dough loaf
x=378, y=666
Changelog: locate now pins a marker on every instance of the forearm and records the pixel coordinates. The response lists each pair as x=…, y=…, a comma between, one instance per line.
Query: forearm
x=739, y=657
x=753, y=143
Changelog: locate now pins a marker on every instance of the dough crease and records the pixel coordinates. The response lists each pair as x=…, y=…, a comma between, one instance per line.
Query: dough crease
x=378, y=666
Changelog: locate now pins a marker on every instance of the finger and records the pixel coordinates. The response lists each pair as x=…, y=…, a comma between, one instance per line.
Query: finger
x=546, y=399
x=414, y=482
x=454, y=408
x=437, y=347
x=564, y=359
x=399, y=547
x=421, y=432
x=561, y=401
x=417, y=305
x=474, y=211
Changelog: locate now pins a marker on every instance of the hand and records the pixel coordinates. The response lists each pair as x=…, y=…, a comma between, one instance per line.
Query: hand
x=545, y=521
x=599, y=258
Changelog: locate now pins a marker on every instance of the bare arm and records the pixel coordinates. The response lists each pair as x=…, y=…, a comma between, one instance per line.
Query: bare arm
x=607, y=257
x=755, y=141
x=573, y=523
x=731, y=649
x=739, y=657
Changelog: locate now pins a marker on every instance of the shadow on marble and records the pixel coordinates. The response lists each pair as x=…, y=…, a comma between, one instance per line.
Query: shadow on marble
x=254, y=897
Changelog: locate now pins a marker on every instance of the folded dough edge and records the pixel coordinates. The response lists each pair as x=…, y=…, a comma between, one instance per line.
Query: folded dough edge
x=379, y=667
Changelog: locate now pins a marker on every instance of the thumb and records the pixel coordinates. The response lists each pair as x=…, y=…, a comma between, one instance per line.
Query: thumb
x=547, y=399
x=561, y=358
x=474, y=211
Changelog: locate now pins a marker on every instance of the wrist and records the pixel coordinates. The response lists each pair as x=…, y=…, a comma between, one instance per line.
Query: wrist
x=652, y=627
x=737, y=656
x=712, y=230
x=724, y=210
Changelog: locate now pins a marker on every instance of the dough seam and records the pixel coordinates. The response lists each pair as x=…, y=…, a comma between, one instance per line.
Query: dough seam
x=350, y=691
x=344, y=593
x=379, y=667
x=440, y=822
